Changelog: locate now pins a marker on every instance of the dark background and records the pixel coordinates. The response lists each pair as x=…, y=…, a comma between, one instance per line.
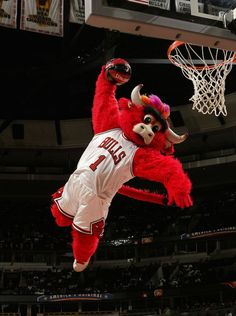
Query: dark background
x=53, y=78
x=47, y=77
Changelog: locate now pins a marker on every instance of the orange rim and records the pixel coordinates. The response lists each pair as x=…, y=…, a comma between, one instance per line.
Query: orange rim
x=176, y=44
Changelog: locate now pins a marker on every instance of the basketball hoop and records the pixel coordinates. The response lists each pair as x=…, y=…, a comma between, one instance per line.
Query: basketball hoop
x=207, y=68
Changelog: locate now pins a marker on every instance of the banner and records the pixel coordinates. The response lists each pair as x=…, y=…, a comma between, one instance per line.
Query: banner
x=161, y=4
x=146, y=2
x=209, y=233
x=215, y=10
x=8, y=12
x=74, y=297
x=42, y=16
x=184, y=6
x=77, y=11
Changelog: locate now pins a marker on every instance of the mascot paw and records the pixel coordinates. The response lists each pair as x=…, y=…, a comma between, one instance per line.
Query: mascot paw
x=118, y=71
x=182, y=201
x=79, y=267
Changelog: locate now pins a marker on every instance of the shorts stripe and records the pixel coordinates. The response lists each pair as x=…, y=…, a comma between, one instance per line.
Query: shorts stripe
x=61, y=210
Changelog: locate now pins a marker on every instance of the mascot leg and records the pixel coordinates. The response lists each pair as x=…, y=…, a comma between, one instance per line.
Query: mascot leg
x=84, y=246
x=61, y=219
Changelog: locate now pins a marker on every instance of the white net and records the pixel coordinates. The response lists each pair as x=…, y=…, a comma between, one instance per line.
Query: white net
x=207, y=68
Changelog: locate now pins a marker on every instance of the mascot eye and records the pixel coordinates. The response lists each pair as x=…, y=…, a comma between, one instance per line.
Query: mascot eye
x=155, y=128
x=147, y=119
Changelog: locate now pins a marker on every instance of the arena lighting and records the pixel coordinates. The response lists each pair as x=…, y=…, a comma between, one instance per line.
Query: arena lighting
x=119, y=242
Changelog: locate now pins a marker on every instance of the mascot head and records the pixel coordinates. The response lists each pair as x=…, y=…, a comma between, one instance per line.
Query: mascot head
x=143, y=120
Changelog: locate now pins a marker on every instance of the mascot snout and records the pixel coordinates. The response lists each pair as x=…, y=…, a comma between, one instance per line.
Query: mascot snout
x=145, y=131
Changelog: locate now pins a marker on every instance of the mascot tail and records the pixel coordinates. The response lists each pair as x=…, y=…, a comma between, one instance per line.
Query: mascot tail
x=142, y=195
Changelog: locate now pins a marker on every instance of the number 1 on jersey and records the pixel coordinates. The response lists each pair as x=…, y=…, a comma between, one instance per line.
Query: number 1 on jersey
x=94, y=165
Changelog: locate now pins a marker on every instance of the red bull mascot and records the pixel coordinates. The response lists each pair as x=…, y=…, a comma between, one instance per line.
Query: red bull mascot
x=132, y=138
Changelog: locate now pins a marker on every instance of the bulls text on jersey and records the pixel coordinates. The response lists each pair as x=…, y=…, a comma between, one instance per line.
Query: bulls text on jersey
x=113, y=147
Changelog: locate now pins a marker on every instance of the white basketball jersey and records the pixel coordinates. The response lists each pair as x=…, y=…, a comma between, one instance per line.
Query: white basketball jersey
x=102, y=169
x=106, y=163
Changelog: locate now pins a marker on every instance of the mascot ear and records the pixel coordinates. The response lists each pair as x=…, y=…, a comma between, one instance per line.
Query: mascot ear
x=124, y=104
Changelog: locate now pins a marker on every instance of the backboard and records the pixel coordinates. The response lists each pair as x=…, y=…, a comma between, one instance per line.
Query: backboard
x=198, y=22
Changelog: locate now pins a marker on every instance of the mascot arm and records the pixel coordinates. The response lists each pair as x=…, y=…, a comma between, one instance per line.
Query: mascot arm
x=105, y=105
x=142, y=195
x=151, y=165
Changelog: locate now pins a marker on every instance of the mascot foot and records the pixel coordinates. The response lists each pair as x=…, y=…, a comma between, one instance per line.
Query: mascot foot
x=79, y=267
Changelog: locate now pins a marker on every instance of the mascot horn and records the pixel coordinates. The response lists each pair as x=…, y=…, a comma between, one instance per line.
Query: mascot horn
x=132, y=138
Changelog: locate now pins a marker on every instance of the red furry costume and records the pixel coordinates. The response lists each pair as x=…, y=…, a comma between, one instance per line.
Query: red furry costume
x=132, y=139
